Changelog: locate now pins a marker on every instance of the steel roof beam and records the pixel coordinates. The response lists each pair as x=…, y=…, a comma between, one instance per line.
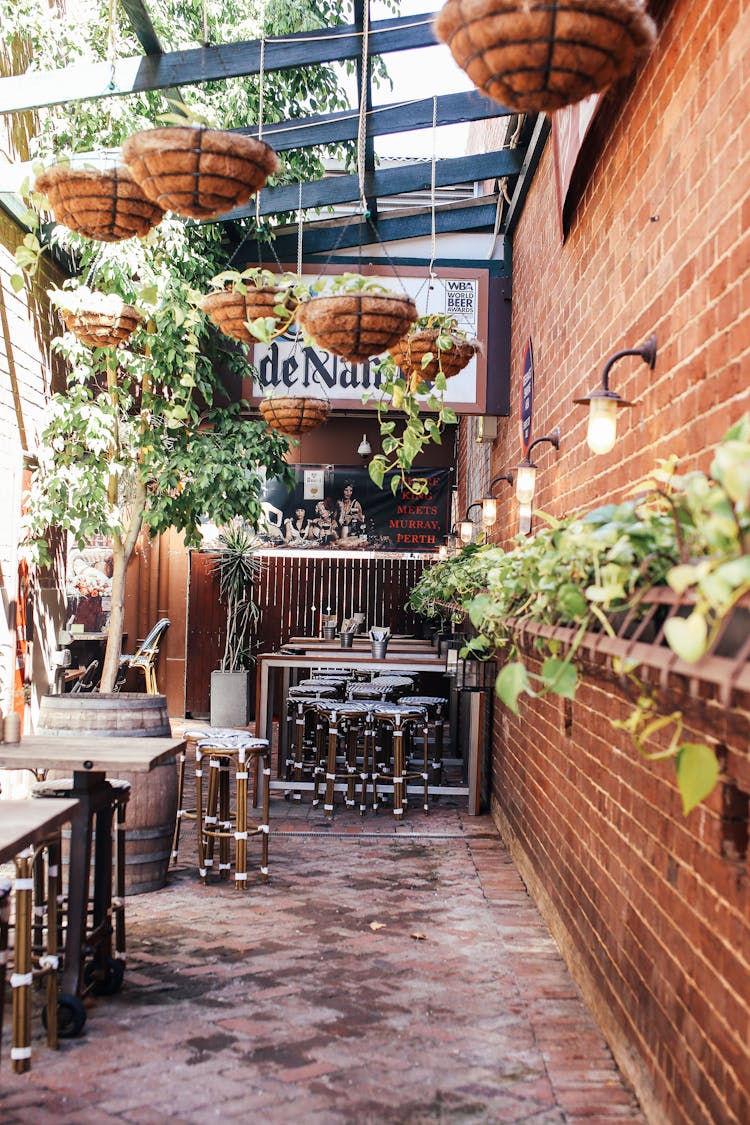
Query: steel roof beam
x=477, y=214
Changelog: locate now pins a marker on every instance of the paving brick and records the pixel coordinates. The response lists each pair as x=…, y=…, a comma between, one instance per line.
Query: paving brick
x=285, y=1004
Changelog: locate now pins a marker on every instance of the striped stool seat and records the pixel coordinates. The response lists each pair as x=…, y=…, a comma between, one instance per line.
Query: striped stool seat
x=343, y=722
x=398, y=720
x=227, y=748
x=436, y=707
x=372, y=690
x=323, y=689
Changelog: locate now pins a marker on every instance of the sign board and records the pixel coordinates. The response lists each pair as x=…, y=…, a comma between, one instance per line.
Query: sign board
x=352, y=513
x=527, y=397
x=287, y=366
x=569, y=128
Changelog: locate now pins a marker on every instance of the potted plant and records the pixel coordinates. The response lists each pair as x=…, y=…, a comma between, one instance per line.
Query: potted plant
x=237, y=566
x=356, y=317
x=101, y=203
x=676, y=556
x=540, y=56
x=435, y=345
x=421, y=418
x=254, y=304
x=195, y=171
x=97, y=319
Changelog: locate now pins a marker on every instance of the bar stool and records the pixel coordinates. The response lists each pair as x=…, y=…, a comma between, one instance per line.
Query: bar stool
x=5, y=889
x=435, y=706
x=398, y=720
x=342, y=723
x=227, y=748
x=300, y=709
x=105, y=981
x=26, y=966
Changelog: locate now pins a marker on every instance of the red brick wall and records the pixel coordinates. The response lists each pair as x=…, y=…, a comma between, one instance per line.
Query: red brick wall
x=651, y=908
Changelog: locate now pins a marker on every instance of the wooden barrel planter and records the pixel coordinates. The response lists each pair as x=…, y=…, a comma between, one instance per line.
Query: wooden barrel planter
x=152, y=808
x=196, y=172
x=357, y=325
x=231, y=311
x=540, y=55
x=106, y=205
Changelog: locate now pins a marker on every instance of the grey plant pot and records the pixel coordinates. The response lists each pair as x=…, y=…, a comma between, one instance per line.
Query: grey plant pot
x=230, y=699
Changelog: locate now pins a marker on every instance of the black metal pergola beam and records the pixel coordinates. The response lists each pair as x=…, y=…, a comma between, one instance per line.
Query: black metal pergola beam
x=83, y=81
x=323, y=238
x=334, y=190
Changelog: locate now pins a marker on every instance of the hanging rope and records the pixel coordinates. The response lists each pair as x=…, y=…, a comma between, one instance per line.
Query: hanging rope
x=362, y=124
x=205, y=24
x=299, y=231
x=111, y=42
x=261, y=92
x=433, y=237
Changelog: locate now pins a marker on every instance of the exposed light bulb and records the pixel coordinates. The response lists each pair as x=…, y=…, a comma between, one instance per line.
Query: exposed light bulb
x=525, y=483
x=602, y=427
x=443, y=551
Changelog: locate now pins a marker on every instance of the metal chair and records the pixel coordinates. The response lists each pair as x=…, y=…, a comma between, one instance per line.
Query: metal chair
x=144, y=659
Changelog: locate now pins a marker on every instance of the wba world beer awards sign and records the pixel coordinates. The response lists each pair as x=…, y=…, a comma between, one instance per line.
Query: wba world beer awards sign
x=289, y=367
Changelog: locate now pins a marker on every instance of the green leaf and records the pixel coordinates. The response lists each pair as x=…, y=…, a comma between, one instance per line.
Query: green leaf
x=560, y=677
x=571, y=600
x=680, y=577
x=512, y=680
x=687, y=636
x=697, y=773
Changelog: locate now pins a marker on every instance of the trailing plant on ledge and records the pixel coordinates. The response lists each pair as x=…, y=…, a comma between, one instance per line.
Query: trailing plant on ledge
x=688, y=532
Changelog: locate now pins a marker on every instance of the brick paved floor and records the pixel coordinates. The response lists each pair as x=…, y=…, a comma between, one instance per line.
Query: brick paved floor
x=383, y=976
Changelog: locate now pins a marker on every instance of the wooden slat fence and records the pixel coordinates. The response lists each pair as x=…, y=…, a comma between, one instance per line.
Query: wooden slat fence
x=293, y=591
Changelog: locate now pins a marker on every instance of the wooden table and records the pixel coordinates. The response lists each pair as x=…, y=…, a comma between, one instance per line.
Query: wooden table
x=272, y=666
x=23, y=826
x=89, y=760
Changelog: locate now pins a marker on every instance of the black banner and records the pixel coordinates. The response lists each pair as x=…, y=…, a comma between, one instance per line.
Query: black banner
x=341, y=509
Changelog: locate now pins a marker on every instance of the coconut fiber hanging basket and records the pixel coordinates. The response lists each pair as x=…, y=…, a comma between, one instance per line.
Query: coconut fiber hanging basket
x=106, y=205
x=99, y=329
x=357, y=325
x=195, y=172
x=294, y=414
x=231, y=311
x=410, y=352
x=540, y=55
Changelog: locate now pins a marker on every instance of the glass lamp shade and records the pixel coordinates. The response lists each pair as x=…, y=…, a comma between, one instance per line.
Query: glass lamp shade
x=525, y=483
x=466, y=531
x=489, y=510
x=524, y=519
x=443, y=551
x=364, y=449
x=602, y=427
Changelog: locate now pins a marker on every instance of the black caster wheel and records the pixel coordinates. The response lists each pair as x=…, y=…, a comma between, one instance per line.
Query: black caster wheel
x=71, y=1016
x=104, y=980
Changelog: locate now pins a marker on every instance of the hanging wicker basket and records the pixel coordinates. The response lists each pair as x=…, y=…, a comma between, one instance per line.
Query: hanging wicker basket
x=357, y=325
x=98, y=329
x=231, y=311
x=539, y=55
x=294, y=414
x=105, y=205
x=195, y=172
x=410, y=351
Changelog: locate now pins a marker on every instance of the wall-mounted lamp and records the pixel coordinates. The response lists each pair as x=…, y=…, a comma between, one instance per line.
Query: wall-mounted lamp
x=364, y=449
x=466, y=527
x=526, y=471
x=603, y=403
x=489, y=503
